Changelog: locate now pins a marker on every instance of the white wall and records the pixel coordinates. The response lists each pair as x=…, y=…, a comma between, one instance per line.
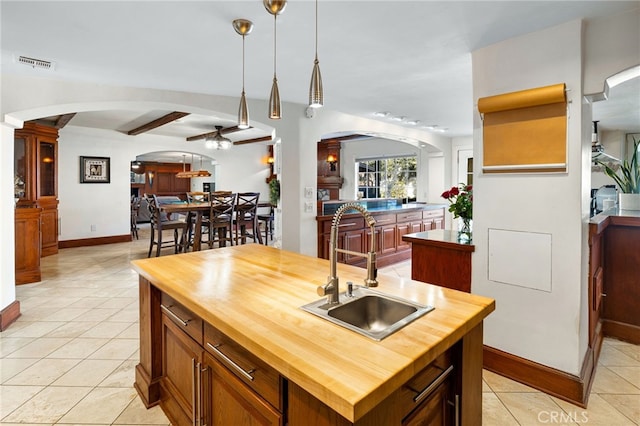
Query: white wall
x=543, y=326
x=107, y=205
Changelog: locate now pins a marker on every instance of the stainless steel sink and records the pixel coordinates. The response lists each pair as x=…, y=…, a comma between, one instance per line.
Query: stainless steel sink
x=368, y=312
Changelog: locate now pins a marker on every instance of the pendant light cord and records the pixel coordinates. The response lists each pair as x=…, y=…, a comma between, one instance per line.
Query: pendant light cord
x=316, y=30
x=275, y=44
x=242, y=63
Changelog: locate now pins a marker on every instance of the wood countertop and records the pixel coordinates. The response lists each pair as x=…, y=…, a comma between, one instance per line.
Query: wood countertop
x=253, y=294
x=440, y=238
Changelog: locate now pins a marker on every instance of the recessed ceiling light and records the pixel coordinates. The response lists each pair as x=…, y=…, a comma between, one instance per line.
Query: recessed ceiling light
x=413, y=122
x=382, y=114
x=398, y=118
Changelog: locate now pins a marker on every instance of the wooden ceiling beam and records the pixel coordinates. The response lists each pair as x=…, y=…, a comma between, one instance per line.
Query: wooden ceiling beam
x=63, y=120
x=261, y=139
x=172, y=116
x=231, y=129
x=346, y=138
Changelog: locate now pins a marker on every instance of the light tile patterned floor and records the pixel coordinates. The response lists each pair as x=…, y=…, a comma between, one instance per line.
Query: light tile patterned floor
x=70, y=357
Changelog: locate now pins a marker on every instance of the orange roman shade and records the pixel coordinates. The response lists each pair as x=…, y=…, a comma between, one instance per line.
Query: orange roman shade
x=525, y=131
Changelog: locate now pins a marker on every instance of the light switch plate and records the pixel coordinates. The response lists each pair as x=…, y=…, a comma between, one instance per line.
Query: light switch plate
x=308, y=207
x=308, y=192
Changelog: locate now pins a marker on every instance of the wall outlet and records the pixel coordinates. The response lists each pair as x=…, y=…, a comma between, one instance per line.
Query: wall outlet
x=308, y=192
x=93, y=228
x=308, y=207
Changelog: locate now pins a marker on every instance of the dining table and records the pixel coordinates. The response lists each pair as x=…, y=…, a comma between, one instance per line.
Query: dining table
x=193, y=210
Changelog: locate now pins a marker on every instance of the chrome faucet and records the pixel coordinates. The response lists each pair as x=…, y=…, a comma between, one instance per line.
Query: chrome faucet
x=331, y=289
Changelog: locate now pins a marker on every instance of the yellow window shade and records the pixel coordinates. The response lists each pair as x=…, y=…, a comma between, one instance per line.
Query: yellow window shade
x=525, y=131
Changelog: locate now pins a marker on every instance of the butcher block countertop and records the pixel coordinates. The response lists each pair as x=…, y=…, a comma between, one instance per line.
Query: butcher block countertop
x=253, y=294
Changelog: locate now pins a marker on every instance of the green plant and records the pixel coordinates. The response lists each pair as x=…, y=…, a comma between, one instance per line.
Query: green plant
x=629, y=179
x=274, y=191
x=461, y=199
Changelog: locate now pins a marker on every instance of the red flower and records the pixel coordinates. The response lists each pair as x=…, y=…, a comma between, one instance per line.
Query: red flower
x=461, y=199
x=445, y=194
x=454, y=191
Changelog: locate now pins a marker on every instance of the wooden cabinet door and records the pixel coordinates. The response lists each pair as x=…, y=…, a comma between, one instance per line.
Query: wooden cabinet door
x=49, y=225
x=27, y=245
x=353, y=241
x=435, y=410
x=388, y=239
x=181, y=360
x=230, y=402
x=404, y=229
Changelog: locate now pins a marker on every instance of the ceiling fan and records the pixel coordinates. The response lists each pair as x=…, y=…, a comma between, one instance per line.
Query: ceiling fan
x=217, y=140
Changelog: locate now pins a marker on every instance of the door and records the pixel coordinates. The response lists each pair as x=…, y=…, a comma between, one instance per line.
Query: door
x=230, y=402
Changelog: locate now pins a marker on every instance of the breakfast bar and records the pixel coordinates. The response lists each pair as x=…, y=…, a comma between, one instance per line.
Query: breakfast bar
x=223, y=340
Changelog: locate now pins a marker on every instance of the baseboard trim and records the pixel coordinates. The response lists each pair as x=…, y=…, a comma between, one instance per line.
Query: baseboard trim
x=571, y=388
x=9, y=315
x=627, y=332
x=85, y=242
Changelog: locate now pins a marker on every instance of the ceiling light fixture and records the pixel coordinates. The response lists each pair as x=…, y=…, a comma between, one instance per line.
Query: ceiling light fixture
x=382, y=114
x=192, y=173
x=316, y=95
x=243, y=27
x=217, y=141
x=275, y=7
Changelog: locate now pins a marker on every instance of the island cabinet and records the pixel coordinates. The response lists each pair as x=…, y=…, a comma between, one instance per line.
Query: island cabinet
x=223, y=341
x=614, y=282
x=390, y=227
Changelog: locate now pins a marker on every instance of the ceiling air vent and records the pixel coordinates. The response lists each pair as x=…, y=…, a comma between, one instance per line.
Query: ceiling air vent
x=36, y=63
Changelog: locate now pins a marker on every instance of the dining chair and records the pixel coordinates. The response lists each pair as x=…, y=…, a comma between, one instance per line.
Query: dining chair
x=266, y=219
x=135, y=208
x=221, y=219
x=198, y=197
x=246, y=217
x=158, y=226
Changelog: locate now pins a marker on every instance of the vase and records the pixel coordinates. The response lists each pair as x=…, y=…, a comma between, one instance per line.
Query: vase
x=464, y=230
x=629, y=201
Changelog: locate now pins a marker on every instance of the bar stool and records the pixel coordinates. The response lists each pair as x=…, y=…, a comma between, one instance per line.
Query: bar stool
x=158, y=226
x=221, y=219
x=246, y=217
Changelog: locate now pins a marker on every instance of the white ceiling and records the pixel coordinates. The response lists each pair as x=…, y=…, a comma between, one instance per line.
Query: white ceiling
x=411, y=58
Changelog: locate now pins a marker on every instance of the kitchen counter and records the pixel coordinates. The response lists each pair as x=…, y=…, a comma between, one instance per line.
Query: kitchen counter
x=253, y=293
x=437, y=257
x=614, y=283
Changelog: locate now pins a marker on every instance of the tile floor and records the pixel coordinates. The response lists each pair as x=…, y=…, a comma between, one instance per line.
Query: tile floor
x=70, y=357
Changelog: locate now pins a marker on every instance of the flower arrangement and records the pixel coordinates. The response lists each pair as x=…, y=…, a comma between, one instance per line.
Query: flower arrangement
x=461, y=199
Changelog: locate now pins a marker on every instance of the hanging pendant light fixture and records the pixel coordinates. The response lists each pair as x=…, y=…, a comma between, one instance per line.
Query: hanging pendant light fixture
x=275, y=7
x=316, y=95
x=243, y=27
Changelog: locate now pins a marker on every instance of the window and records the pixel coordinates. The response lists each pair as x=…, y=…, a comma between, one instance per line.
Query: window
x=388, y=177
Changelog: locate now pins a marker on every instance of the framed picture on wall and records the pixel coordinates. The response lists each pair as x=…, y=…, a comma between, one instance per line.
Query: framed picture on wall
x=95, y=170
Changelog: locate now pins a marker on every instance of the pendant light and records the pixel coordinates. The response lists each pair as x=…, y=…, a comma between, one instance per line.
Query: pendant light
x=243, y=27
x=316, y=95
x=275, y=7
x=217, y=141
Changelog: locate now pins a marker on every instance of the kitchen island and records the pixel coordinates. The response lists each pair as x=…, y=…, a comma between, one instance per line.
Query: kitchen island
x=614, y=281
x=223, y=340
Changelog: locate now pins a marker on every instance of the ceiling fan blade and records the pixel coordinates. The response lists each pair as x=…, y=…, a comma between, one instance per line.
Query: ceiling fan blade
x=231, y=129
x=254, y=140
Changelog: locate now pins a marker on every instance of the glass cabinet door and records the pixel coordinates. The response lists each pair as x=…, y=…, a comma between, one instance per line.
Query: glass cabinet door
x=47, y=165
x=20, y=177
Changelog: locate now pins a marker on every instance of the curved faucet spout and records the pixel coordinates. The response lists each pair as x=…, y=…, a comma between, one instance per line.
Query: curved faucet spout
x=331, y=289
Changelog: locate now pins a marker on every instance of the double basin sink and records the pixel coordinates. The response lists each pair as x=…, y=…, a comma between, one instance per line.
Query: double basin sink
x=368, y=312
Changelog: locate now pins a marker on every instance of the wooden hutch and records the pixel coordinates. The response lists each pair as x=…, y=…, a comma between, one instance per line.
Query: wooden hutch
x=36, y=193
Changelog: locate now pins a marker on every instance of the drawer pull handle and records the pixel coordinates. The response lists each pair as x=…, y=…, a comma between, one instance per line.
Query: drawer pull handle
x=433, y=385
x=174, y=316
x=246, y=374
x=347, y=224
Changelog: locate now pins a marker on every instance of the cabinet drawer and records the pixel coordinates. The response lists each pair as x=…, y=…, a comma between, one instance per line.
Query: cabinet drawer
x=250, y=369
x=432, y=213
x=385, y=219
x=189, y=322
x=346, y=224
x=420, y=386
x=405, y=217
